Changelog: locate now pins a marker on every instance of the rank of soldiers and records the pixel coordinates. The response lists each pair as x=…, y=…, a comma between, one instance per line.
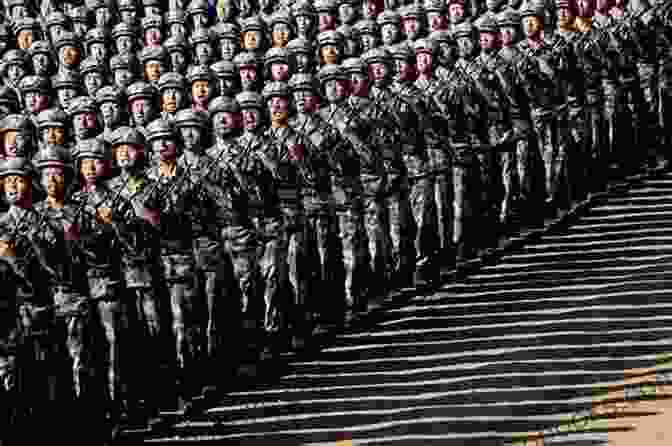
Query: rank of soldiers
x=186, y=192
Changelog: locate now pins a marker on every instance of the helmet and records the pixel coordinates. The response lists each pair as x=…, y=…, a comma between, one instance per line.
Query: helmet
x=36, y=84
x=250, y=99
x=223, y=104
x=53, y=117
x=199, y=73
x=91, y=148
x=302, y=82
x=126, y=135
x=109, y=93
x=16, y=166
x=159, y=128
x=149, y=54
x=171, y=80
x=66, y=79
x=81, y=104
x=140, y=90
x=330, y=72
x=190, y=118
x=52, y=156
x=274, y=89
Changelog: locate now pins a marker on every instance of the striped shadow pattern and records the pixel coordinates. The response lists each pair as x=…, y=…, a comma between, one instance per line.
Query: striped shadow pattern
x=519, y=346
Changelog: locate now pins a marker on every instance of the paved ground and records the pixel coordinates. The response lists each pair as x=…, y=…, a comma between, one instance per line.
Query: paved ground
x=495, y=358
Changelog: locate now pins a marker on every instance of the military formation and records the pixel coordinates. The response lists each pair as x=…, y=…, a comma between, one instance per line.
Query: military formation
x=188, y=187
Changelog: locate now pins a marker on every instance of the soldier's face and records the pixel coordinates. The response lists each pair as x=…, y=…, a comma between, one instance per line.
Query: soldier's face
x=110, y=112
x=584, y=8
x=456, y=12
x=153, y=37
x=411, y=27
x=200, y=89
x=487, y=41
x=377, y=71
x=335, y=89
x=279, y=108
x=306, y=101
x=36, y=101
x=80, y=29
x=359, y=84
x=65, y=95
x=346, y=13
x=93, y=81
x=226, y=86
x=85, y=121
x=98, y=51
x=507, y=35
x=329, y=54
x=177, y=61
x=370, y=9
x=389, y=33
x=25, y=39
x=465, y=46
x=437, y=21
x=302, y=63
x=17, y=188
x=224, y=122
x=368, y=41
x=303, y=23
x=53, y=181
x=127, y=16
x=248, y=74
x=11, y=142
x=55, y=135
x=123, y=77
x=153, y=71
x=165, y=147
x=124, y=44
x=15, y=72
x=251, y=40
x=103, y=16
x=280, y=35
x=203, y=53
x=326, y=22
x=141, y=109
x=70, y=56
x=228, y=48
x=423, y=62
x=531, y=25
x=191, y=137
x=152, y=10
x=403, y=70
x=351, y=48
x=171, y=99
x=200, y=20
x=91, y=169
x=280, y=71
x=250, y=118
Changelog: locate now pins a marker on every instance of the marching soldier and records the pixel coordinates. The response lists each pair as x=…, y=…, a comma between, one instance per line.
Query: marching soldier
x=178, y=49
x=82, y=112
x=154, y=64
x=301, y=55
x=68, y=85
x=228, y=35
x=227, y=78
x=142, y=105
x=171, y=87
x=110, y=102
x=41, y=58
x=201, y=79
x=52, y=127
x=249, y=71
x=202, y=47
x=95, y=75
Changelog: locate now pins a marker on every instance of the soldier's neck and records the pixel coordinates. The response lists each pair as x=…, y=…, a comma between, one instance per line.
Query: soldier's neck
x=168, y=168
x=280, y=124
x=55, y=202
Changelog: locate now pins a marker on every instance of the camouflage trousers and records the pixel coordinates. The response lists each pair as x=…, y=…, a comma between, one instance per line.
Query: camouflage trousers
x=610, y=111
x=375, y=222
x=440, y=165
x=186, y=305
x=649, y=113
x=551, y=134
x=275, y=269
x=466, y=193
x=665, y=107
x=398, y=219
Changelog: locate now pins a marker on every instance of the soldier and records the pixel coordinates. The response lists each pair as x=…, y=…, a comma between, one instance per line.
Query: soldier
x=280, y=26
x=436, y=13
x=510, y=52
x=350, y=40
x=128, y=11
x=197, y=15
x=304, y=19
x=103, y=236
x=456, y=15
x=321, y=224
x=24, y=250
x=330, y=47
x=52, y=125
x=68, y=84
x=200, y=78
x=248, y=69
x=171, y=87
x=347, y=12
x=151, y=7
x=254, y=40
x=412, y=21
x=367, y=30
x=27, y=30
x=35, y=90
x=228, y=35
x=98, y=45
x=154, y=62
x=225, y=72
x=177, y=49
x=203, y=52
x=82, y=112
x=140, y=269
x=41, y=59
x=111, y=102
x=15, y=65
x=94, y=75
x=4, y=38
x=151, y=31
x=17, y=137
x=56, y=24
x=9, y=102
x=142, y=104
x=176, y=22
x=346, y=186
x=326, y=15
x=69, y=52
x=124, y=37
x=226, y=11
x=389, y=23
x=434, y=165
x=168, y=207
x=301, y=55
x=495, y=82
x=79, y=17
x=266, y=11
x=276, y=65
x=102, y=12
